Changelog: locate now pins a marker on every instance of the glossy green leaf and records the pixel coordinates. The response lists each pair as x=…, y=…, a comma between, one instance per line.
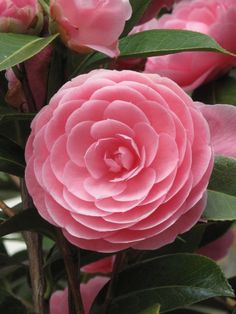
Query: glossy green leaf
x=10, y=305
x=220, y=206
x=27, y=219
x=223, y=177
x=16, y=48
x=11, y=157
x=173, y=281
x=138, y=9
x=162, y=41
x=155, y=43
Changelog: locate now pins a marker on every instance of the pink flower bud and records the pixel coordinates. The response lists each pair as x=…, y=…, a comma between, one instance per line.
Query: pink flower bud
x=21, y=16
x=91, y=24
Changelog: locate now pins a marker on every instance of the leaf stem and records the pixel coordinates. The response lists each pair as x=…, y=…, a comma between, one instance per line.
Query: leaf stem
x=21, y=75
x=71, y=260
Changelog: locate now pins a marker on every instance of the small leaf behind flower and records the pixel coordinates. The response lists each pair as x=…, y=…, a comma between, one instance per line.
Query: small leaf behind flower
x=11, y=157
x=220, y=206
x=28, y=219
x=223, y=177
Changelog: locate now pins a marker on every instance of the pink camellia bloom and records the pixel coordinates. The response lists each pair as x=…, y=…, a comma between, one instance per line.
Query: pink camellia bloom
x=59, y=299
x=216, y=18
x=219, y=248
x=119, y=160
x=21, y=16
x=91, y=24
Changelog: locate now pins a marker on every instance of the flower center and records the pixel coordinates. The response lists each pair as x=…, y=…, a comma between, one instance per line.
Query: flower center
x=120, y=159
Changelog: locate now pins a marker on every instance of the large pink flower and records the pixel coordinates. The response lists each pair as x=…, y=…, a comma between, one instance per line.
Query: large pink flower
x=94, y=24
x=216, y=18
x=89, y=291
x=20, y=16
x=118, y=160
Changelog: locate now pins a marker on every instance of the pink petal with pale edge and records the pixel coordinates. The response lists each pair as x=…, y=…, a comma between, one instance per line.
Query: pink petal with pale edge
x=222, y=123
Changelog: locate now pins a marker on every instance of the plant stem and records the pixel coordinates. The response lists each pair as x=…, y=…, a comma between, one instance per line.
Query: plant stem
x=34, y=247
x=71, y=260
x=119, y=261
x=6, y=210
x=45, y=7
x=22, y=76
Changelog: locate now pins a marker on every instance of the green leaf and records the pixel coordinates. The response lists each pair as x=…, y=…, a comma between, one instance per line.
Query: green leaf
x=223, y=177
x=221, y=91
x=173, y=281
x=11, y=157
x=16, y=48
x=10, y=305
x=155, y=309
x=138, y=9
x=162, y=41
x=28, y=219
x=220, y=206
x=5, y=117
x=156, y=43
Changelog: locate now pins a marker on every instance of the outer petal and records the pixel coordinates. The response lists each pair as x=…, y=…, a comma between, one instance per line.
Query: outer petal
x=222, y=123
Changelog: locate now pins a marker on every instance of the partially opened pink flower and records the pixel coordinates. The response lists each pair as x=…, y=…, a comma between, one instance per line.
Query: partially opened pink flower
x=91, y=24
x=216, y=18
x=89, y=291
x=119, y=160
x=21, y=16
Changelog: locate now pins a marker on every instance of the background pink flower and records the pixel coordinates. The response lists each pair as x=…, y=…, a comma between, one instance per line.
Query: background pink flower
x=135, y=160
x=23, y=16
x=103, y=265
x=216, y=18
x=89, y=291
x=219, y=248
x=94, y=24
